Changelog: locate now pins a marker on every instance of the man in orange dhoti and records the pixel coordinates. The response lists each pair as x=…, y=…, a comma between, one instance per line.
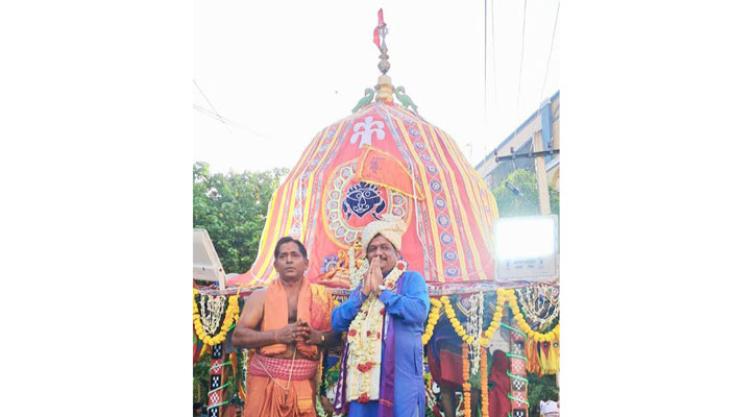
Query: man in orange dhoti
x=288, y=323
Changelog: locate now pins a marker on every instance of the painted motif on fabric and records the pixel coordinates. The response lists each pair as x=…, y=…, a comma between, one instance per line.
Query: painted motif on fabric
x=214, y=381
x=381, y=168
x=361, y=199
x=329, y=263
x=217, y=351
x=351, y=204
x=364, y=130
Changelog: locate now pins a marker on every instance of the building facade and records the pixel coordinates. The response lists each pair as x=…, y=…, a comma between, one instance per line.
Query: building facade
x=546, y=121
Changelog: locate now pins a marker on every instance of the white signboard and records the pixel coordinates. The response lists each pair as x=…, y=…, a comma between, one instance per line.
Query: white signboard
x=207, y=266
x=527, y=248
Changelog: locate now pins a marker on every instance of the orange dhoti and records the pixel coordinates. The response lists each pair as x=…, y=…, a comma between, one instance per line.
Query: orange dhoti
x=269, y=393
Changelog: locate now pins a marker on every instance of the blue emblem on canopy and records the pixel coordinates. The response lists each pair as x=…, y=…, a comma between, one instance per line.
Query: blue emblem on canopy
x=361, y=199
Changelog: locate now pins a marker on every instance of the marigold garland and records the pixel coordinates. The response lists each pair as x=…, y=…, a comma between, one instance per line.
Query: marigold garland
x=504, y=296
x=484, y=380
x=549, y=336
x=466, y=386
x=230, y=317
x=432, y=320
x=488, y=333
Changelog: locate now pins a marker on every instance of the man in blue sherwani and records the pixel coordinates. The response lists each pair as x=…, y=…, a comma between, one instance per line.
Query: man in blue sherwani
x=381, y=368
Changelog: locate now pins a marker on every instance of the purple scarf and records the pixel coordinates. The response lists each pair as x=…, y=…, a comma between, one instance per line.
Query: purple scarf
x=339, y=405
x=388, y=376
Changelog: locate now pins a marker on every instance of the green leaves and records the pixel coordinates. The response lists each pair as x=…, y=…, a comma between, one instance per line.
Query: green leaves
x=233, y=208
x=542, y=388
x=517, y=195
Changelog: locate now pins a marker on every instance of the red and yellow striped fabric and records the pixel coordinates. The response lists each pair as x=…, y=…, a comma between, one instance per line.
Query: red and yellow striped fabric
x=383, y=159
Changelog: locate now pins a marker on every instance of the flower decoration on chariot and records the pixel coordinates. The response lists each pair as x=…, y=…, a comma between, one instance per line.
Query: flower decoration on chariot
x=363, y=198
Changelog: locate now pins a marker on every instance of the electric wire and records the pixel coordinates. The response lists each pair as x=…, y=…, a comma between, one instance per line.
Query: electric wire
x=521, y=57
x=550, y=52
x=485, y=64
x=495, y=67
x=217, y=115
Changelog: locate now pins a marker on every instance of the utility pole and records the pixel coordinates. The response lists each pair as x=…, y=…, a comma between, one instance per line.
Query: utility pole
x=542, y=178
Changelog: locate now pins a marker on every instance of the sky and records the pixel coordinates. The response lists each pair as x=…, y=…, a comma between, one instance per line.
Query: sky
x=278, y=72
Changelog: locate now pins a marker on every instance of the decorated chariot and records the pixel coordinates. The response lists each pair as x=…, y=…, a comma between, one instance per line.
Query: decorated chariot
x=484, y=334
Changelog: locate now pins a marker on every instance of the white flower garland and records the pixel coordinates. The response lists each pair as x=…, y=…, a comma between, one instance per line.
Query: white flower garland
x=211, y=321
x=365, y=340
x=474, y=328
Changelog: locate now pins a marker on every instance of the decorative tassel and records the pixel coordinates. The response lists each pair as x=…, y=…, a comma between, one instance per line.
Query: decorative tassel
x=533, y=360
x=550, y=357
x=544, y=348
x=556, y=356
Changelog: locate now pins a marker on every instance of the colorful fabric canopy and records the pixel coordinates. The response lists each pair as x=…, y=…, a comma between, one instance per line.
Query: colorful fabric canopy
x=383, y=159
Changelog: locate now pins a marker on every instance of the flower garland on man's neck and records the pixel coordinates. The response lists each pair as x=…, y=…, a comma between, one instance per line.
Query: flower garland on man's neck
x=365, y=343
x=230, y=317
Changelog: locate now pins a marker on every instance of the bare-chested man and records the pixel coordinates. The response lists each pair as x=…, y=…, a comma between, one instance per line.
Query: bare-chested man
x=287, y=323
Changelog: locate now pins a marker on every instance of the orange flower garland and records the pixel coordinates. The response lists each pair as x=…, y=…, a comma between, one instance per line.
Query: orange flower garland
x=484, y=380
x=466, y=386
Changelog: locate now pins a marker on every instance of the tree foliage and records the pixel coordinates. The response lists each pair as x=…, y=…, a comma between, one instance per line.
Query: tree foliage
x=541, y=388
x=233, y=208
x=517, y=195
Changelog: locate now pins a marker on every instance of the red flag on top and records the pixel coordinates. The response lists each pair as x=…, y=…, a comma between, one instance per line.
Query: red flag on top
x=376, y=32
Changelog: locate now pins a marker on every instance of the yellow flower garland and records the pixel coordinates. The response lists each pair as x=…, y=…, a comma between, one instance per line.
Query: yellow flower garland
x=503, y=296
x=432, y=320
x=549, y=336
x=231, y=315
x=488, y=333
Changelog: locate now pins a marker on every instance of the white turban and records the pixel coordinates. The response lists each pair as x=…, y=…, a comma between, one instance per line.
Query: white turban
x=390, y=227
x=549, y=408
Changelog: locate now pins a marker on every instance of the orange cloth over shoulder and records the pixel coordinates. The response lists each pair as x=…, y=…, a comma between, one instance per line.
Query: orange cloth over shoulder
x=313, y=306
